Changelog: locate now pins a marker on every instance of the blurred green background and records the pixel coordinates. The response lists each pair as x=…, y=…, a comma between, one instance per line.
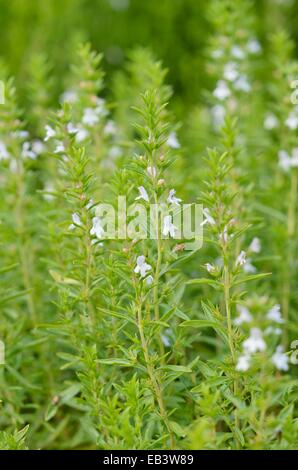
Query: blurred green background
x=177, y=31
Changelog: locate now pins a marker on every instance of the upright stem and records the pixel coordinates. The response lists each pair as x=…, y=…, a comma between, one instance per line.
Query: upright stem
x=291, y=228
x=153, y=376
x=156, y=276
x=24, y=252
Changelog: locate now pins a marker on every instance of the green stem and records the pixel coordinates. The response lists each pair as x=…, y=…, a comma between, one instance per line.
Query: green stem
x=291, y=228
x=153, y=376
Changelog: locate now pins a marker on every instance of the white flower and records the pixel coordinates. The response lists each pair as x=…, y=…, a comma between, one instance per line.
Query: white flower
x=149, y=280
x=142, y=267
x=37, y=147
x=253, y=46
x=222, y=90
x=255, y=342
x=244, y=317
x=218, y=114
x=76, y=221
x=270, y=122
x=4, y=155
x=284, y=160
x=60, y=148
x=151, y=170
x=100, y=109
x=230, y=71
x=97, y=228
x=242, y=84
x=241, y=259
x=255, y=245
x=115, y=152
x=280, y=359
x=248, y=267
x=237, y=52
x=110, y=128
x=172, y=141
x=48, y=189
x=90, y=117
x=224, y=236
x=71, y=129
x=270, y=330
x=243, y=363
x=21, y=134
x=208, y=218
x=172, y=199
x=274, y=314
x=168, y=227
x=210, y=268
x=81, y=134
x=292, y=121
x=143, y=194
x=50, y=133
x=294, y=161
x=69, y=96
x=166, y=341
x=27, y=151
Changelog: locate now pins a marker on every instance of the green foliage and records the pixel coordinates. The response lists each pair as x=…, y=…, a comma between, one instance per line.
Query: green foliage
x=133, y=342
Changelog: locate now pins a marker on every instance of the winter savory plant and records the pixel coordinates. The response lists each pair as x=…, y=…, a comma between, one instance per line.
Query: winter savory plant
x=122, y=327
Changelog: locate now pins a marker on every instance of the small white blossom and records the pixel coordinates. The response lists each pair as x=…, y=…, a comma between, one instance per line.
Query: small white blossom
x=270, y=122
x=60, y=148
x=149, y=280
x=292, y=121
x=76, y=221
x=218, y=114
x=255, y=246
x=168, y=227
x=271, y=330
x=248, y=267
x=50, y=133
x=210, y=268
x=97, y=228
x=231, y=71
x=38, y=146
x=90, y=117
x=151, y=170
x=81, y=134
x=274, y=314
x=241, y=259
x=222, y=90
x=208, y=218
x=285, y=161
x=27, y=151
x=172, y=199
x=243, y=363
x=142, y=267
x=173, y=141
x=143, y=194
x=280, y=359
x=255, y=342
x=71, y=129
x=237, y=52
x=166, y=341
x=110, y=128
x=253, y=46
x=244, y=316
x=4, y=154
x=69, y=96
x=242, y=84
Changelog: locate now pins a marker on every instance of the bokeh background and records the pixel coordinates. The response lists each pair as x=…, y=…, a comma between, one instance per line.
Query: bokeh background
x=177, y=32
